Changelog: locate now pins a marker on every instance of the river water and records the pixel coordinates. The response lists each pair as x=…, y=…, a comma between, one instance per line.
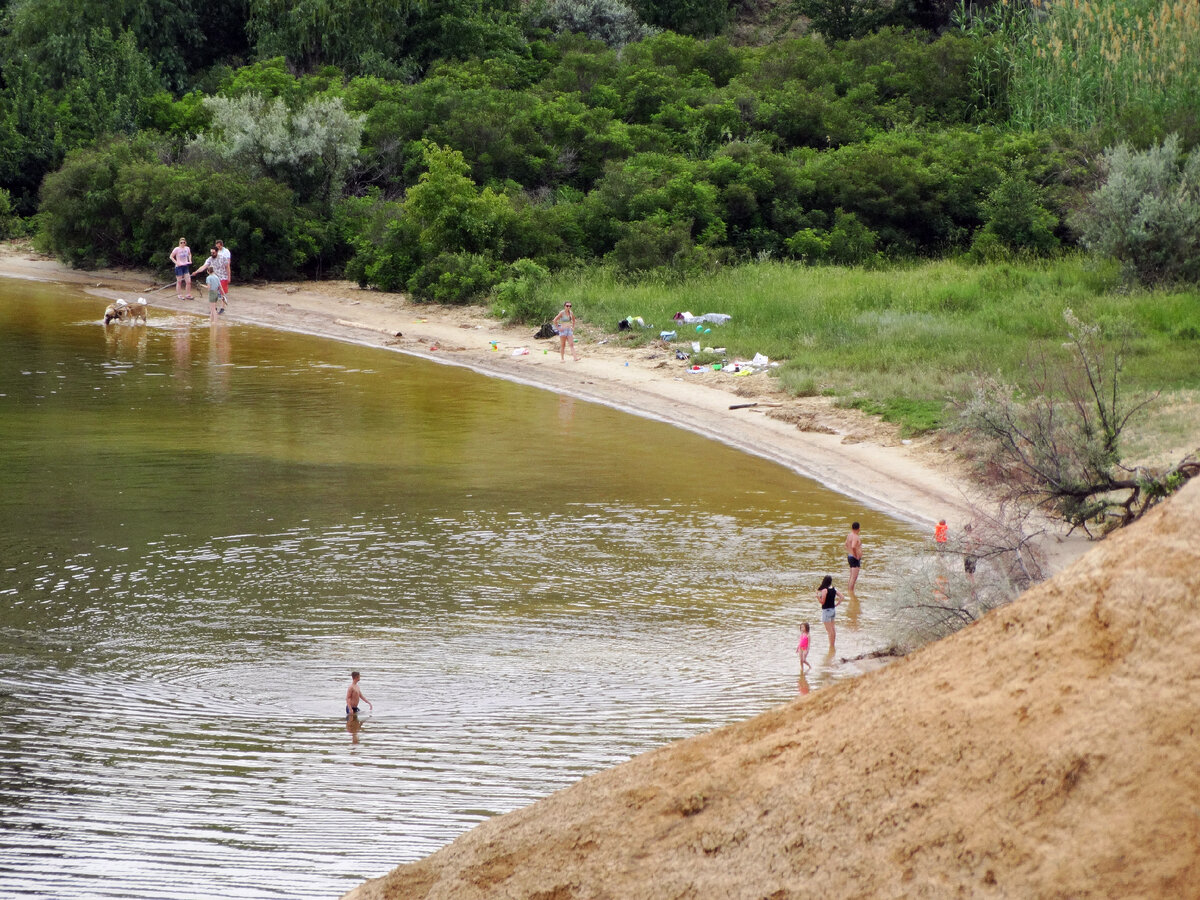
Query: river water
x=203, y=529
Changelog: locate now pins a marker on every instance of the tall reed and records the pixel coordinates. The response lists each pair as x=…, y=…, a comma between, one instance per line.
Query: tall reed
x=1109, y=65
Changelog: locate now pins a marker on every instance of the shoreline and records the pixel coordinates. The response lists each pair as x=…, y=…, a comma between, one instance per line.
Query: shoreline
x=918, y=481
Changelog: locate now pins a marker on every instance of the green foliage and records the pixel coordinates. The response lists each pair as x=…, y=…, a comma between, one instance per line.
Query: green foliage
x=43, y=113
x=612, y=22
x=10, y=223
x=1015, y=221
x=1147, y=213
x=522, y=296
x=81, y=216
x=1129, y=69
x=310, y=147
x=849, y=242
x=380, y=37
x=702, y=18
x=183, y=118
x=676, y=154
x=448, y=213
x=60, y=39
x=914, y=417
x=118, y=204
x=840, y=20
x=312, y=33
x=455, y=278
x=659, y=243
x=447, y=242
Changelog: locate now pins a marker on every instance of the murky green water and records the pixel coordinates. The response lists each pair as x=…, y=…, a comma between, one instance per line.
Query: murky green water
x=203, y=530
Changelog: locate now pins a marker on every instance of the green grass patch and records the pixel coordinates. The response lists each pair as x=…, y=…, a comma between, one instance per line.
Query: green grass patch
x=899, y=342
x=913, y=416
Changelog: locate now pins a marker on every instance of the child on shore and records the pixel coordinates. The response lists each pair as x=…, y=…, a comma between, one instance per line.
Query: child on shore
x=802, y=647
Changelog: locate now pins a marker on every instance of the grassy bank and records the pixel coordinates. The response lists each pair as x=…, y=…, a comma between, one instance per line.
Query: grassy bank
x=899, y=341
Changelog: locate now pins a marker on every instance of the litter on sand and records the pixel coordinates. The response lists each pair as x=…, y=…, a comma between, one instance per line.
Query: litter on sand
x=715, y=318
x=521, y=351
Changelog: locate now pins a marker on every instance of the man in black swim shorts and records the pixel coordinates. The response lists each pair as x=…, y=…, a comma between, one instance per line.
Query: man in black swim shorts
x=853, y=556
x=353, y=695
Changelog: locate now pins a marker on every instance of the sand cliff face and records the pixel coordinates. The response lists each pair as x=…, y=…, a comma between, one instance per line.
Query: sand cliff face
x=1050, y=750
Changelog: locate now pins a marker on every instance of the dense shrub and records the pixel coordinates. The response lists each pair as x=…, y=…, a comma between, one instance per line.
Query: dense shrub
x=611, y=22
x=455, y=277
x=10, y=223
x=677, y=152
x=119, y=205
x=522, y=296
x=702, y=18
x=1147, y=212
x=309, y=148
x=1015, y=221
x=848, y=242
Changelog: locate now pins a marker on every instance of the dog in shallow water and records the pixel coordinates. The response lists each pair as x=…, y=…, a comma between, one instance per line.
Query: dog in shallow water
x=122, y=311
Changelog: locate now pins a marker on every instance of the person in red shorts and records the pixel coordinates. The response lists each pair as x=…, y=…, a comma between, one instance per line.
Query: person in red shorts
x=224, y=268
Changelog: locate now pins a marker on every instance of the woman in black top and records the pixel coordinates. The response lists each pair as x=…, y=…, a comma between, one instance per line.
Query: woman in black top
x=827, y=596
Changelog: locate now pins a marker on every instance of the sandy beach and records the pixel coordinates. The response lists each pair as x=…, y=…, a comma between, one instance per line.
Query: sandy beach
x=919, y=480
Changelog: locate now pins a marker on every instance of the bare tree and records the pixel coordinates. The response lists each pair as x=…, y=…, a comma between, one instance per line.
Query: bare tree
x=1056, y=445
x=995, y=559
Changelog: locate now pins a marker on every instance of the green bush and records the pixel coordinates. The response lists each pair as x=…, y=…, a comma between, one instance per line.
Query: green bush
x=82, y=220
x=1147, y=213
x=522, y=296
x=702, y=18
x=119, y=205
x=1015, y=222
x=10, y=223
x=455, y=278
x=611, y=22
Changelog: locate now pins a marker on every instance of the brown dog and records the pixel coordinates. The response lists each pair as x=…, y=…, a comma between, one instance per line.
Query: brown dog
x=123, y=311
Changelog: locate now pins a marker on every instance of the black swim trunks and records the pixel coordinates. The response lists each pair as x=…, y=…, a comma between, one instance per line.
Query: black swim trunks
x=969, y=565
x=351, y=711
x=855, y=562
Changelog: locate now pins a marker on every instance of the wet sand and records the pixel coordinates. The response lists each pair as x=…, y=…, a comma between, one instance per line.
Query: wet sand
x=920, y=481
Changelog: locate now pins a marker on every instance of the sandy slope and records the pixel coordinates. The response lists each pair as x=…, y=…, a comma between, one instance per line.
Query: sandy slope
x=845, y=450
x=1050, y=750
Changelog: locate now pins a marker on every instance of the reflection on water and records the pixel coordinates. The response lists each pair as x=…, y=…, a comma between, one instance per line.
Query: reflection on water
x=204, y=533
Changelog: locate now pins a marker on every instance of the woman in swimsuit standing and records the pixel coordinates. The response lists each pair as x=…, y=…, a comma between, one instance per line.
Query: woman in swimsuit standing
x=564, y=324
x=827, y=596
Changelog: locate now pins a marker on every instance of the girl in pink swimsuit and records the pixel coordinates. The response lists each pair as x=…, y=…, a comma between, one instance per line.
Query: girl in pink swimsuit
x=802, y=647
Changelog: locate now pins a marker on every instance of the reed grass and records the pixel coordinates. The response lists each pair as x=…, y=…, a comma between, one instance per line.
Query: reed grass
x=901, y=341
x=1133, y=65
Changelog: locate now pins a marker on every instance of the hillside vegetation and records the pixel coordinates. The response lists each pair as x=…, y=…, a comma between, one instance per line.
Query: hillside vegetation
x=893, y=197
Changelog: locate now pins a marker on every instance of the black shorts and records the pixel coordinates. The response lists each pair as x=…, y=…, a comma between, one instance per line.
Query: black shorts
x=855, y=562
x=969, y=565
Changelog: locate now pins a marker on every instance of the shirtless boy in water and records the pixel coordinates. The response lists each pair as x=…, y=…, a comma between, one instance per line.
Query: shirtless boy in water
x=353, y=695
x=853, y=556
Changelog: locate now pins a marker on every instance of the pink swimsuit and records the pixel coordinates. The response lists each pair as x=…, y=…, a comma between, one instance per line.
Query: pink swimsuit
x=803, y=645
